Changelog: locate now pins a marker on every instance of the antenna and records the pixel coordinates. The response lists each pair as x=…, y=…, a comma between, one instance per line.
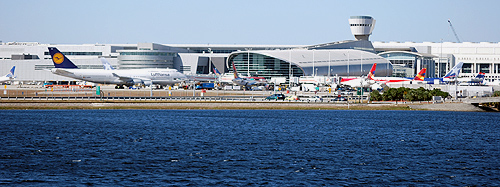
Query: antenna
x=453, y=29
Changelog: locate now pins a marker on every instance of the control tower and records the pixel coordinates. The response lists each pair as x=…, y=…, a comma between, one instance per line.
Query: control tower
x=362, y=26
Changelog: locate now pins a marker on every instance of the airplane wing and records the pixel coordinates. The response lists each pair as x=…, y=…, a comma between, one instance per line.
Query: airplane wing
x=132, y=80
x=257, y=83
x=60, y=71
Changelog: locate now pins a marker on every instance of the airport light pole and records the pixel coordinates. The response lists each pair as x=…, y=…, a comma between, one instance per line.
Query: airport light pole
x=361, y=62
x=248, y=61
x=313, y=62
x=440, y=57
x=194, y=88
x=329, y=76
x=329, y=57
x=210, y=60
x=290, y=68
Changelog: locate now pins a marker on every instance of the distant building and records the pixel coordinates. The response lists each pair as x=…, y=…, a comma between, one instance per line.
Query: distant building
x=304, y=62
x=477, y=57
x=408, y=64
x=342, y=58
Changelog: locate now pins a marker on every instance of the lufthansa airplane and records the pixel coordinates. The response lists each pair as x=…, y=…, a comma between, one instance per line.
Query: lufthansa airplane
x=127, y=77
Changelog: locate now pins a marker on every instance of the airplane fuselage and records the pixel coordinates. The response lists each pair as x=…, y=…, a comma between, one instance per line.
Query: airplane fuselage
x=357, y=82
x=5, y=79
x=124, y=77
x=242, y=82
x=247, y=82
x=394, y=80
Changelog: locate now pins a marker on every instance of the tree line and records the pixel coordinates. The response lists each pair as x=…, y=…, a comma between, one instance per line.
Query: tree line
x=409, y=94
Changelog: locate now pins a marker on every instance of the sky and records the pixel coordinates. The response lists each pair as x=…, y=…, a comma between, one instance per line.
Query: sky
x=266, y=22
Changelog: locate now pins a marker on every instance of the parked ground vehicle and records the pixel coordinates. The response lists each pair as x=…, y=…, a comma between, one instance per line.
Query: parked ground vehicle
x=292, y=98
x=276, y=97
x=208, y=86
x=314, y=99
x=339, y=99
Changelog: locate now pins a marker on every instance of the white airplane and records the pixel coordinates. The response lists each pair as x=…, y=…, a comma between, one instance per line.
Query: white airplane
x=9, y=76
x=360, y=81
x=246, y=82
x=127, y=77
x=451, y=76
x=478, y=80
x=419, y=78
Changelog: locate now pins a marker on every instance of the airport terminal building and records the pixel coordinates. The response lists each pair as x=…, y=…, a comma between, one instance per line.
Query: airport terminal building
x=343, y=58
x=477, y=57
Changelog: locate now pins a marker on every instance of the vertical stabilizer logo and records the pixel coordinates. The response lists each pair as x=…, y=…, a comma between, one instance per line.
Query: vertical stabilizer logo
x=58, y=58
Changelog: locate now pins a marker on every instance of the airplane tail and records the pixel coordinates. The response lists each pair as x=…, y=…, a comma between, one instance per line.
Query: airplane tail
x=421, y=75
x=11, y=73
x=235, y=72
x=480, y=75
x=59, y=60
x=106, y=64
x=454, y=71
x=215, y=70
x=371, y=74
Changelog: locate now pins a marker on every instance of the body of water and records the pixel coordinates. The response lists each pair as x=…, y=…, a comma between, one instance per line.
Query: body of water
x=248, y=147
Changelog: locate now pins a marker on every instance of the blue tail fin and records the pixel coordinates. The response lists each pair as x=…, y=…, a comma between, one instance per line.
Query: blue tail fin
x=59, y=60
x=11, y=73
x=454, y=71
x=480, y=75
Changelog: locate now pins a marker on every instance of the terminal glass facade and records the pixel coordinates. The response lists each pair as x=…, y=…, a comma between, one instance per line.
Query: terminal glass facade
x=259, y=65
x=409, y=64
x=467, y=68
x=78, y=53
x=145, y=59
x=401, y=59
x=148, y=53
x=483, y=68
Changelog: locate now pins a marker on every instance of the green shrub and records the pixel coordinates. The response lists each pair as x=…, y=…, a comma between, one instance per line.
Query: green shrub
x=420, y=94
x=375, y=96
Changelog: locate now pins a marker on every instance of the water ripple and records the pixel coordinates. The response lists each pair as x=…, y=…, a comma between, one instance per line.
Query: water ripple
x=248, y=147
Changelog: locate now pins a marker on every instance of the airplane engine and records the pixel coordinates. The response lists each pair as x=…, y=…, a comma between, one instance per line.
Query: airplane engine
x=134, y=82
x=147, y=82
